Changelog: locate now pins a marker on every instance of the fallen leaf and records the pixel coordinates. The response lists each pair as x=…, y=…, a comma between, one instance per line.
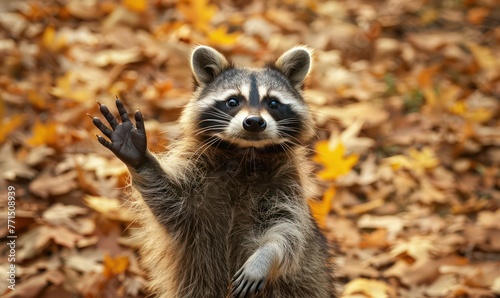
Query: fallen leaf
x=136, y=5
x=59, y=214
x=392, y=224
x=111, y=208
x=197, y=12
x=333, y=160
x=368, y=288
x=46, y=184
x=9, y=125
x=43, y=134
x=320, y=209
x=115, y=266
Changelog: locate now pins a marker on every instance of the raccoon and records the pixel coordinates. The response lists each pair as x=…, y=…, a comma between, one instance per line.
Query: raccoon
x=224, y=211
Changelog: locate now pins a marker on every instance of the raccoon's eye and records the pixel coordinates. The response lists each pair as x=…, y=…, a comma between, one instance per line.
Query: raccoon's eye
x=274, y=104
x=232, y=102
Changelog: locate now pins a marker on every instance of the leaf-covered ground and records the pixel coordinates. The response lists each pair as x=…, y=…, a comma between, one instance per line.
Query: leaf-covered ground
x=406, y=98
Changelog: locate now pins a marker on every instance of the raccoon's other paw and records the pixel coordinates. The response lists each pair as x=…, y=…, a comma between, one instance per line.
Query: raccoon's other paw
x=250, y=279
x=128, y=142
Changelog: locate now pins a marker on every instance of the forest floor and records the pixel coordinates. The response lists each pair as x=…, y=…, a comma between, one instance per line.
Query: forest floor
x=405, y=96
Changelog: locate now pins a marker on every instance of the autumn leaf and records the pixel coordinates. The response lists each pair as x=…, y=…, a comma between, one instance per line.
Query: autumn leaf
x=111, y=208
x=115, y=266
x=417, y=160
x=368, y=288
x=483, y=56
x=43, y=134
x=136, y=5
x=67, y=87
x=320, y=209
x=9, y=125
x=333, y=160
x=221, y=37
x=51, y=41
x=197, y=12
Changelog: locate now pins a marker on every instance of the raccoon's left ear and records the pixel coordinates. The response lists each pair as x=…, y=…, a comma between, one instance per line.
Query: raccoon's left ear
x=207, y=63
x=295, y=64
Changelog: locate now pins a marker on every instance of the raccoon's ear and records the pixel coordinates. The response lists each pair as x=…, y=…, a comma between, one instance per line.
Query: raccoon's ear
x=206, y=64
x=295, y=64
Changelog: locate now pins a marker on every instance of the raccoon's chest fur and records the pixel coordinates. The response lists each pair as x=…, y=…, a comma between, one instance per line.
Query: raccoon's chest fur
x=232, y=199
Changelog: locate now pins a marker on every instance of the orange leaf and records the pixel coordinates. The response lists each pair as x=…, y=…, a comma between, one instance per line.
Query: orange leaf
x=333, y=160
x=197, y=12
x=136, y=5
x=320, y=209
x=115, y=266
x=221, y=37
x=43, y=134
x=9, y=125
x=36, y=99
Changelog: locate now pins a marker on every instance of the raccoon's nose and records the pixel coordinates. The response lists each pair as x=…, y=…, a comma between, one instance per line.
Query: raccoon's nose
x=254, y=124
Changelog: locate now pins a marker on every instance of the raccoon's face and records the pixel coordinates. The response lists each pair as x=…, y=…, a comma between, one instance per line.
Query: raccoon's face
x=250, y=107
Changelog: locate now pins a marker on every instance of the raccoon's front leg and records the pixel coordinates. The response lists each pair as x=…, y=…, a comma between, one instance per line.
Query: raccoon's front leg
x=281, y=247
x=129, y=144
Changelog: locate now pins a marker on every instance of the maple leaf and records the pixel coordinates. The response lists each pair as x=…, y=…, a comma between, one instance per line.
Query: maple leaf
x=220, y=36
x=197, y=12
x=333, y=159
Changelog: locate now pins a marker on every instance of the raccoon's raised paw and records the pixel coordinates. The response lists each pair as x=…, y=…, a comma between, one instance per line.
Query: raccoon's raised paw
x=128, y=142
x=250, y=279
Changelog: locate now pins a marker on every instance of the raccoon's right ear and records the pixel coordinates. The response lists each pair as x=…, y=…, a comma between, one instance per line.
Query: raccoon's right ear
x=206, y=64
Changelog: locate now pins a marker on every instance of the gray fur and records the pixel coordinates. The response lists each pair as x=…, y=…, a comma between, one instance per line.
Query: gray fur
x=211, y=214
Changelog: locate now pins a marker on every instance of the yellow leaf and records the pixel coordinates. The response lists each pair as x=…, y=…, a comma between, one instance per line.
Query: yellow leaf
x=51, y=41
x=425, y=158
x=320, y=209
x=9, y=125
x=197, y=12
x=36, y=99
x=111, y=208
x=136, y=5
x=483, y=56
x=417, y=161
x=333, y=160
x=221, y=37
x=43, y=134
x=479, y=115
x=67, y=87
x=368, y=288
x=430, y=96
x=115, y=266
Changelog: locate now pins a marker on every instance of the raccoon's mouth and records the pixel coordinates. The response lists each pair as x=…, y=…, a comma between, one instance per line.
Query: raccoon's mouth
x=251, y=140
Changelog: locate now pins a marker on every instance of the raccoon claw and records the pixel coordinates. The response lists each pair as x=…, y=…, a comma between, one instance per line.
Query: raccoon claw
x=128, y=142
x=245, y=284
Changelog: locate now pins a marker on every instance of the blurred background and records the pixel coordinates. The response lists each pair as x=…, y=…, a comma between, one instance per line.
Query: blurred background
x=405, y=96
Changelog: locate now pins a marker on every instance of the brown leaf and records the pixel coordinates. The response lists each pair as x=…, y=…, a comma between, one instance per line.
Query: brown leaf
x=46, y=184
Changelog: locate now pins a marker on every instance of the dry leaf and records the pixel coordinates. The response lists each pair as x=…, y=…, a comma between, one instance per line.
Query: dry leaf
x=46, y=184
x=333, y=159
x=111, y=208
x=115, y=266
x=60, y=214
x=368, y=288
x=320, y=209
